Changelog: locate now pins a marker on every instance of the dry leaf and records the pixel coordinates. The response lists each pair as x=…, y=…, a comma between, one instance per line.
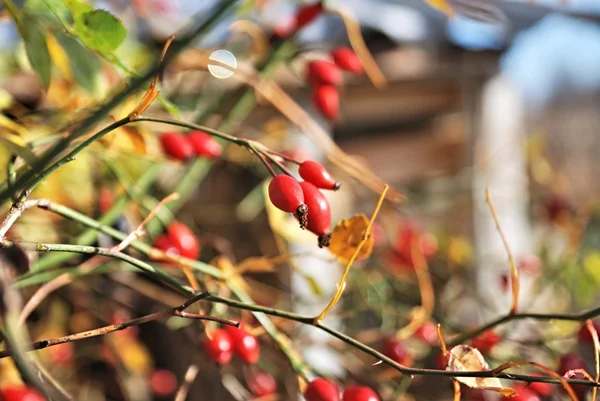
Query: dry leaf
x=346, y=237
x=465, y=358
x=256, y=264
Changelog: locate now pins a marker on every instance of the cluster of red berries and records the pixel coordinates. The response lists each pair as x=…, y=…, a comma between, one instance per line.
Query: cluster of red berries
x=185, y=147
x=486, y=341
x=178, y=240
x=304, y=199
x=401, y=254
x=325, y=76
x=20, y=393
x=324, y=390
x=224, y=343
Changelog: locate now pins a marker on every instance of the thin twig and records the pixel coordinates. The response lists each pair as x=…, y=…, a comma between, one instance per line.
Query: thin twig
x=190, y=375
x=592, y=329
x=176, y=311
x=514, y=272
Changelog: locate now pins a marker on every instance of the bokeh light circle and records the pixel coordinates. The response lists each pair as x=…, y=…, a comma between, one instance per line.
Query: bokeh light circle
x=225, y=57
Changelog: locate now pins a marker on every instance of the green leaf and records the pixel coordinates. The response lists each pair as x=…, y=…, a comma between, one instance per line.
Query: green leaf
x=36, y=49
x=78, y=7
x=21, y=151
x=84, y=65
x=53, y=11
x=100, y=30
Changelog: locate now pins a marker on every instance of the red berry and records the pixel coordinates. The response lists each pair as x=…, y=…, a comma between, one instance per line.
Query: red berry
x=529, y=264
x=105, y=200
x=326, y=99
x=584, y=334
x=346, y=59
x=323, y=72
x=163, y=382
x=407, y=234
x=316, y=174
x=177, y=146
x=163, y=243
x=204, y=145
x=319, y=213
x=262, y=384
x=287, y=195
x=219, y=348
x=245, y=345
x=184, y=240
x=395, y=349
x=62, y=354
x=486, y=341
x=359, y=393
x=543, y=389
x=321, y=390
x=21, y=393
x=428, y=333
x=570, y=362
x=307, y=13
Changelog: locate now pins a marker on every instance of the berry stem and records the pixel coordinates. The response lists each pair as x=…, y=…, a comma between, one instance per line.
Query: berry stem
x=283, y=156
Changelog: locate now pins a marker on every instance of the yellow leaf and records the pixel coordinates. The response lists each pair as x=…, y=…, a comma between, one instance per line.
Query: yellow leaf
x=59, y=57
x=441, y=5
x=135, y=357
x=346, y=237
x=256, y=265
x=591, y=264
x=464, y=358
x=10, y=125
x=459, y=250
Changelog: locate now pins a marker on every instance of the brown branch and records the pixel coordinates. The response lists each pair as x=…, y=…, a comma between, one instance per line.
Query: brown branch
x=190, y=375
x=176, y=311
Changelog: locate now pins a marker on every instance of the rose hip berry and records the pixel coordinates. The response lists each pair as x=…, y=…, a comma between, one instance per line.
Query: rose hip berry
x=245, y=345
x=428, y=333
x=184, y=240
x=346, y=59
x=287, y=195
x=307, y=13
x=262, y=384
x=20, y=393
x=326, y=99
x=486, y=341
x=177, y=146
x=584, y=334
x=204, y=145
x=319, y=213
x=396, y=350
x=321, y=390
x=323, y=72
x=543, y=389
x=163, y=382
x=359, y=393
x=317, y=175
x=569, y=362
x=219, y=348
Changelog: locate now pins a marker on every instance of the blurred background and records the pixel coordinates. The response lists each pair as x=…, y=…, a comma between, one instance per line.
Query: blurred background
x=500, y=95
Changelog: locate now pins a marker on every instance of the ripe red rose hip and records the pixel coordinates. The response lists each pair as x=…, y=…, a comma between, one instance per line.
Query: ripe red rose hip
x=486, y=341
x=584, y=334
x=20, y=393
x=219, y=348
x=317, y=175
x=321, y=390
x=307, y=13
x=323, y=72
x=287, y=195
x=176, y=146
x=163, y=382
x=262, y=384
x=326, y=99
x=184, y=240
x=204, y=145
x=359, y=393
x=543, y=389
x=319, y=213
x=245, y=345
x=572, y=361
x=396, y=350
x=346, y=59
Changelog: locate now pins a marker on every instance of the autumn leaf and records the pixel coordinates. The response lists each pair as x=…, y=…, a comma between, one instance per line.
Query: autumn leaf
x=346, y=237
x=465, y=358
